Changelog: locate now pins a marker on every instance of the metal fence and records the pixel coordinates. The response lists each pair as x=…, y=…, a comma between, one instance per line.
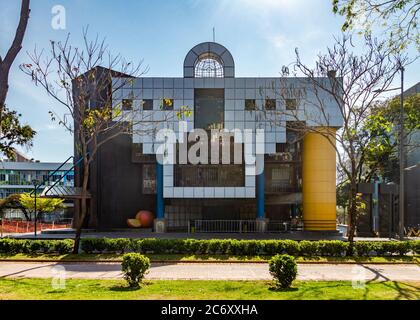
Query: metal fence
x=222, y=226
x=278, y=226
x=236, y=226
x=24, y=226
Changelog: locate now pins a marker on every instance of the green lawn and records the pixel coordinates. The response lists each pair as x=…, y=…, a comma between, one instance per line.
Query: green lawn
x=183, y=257
x=41, y=289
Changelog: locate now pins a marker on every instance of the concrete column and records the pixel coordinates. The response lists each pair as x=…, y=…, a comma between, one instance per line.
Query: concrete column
x=319, y=182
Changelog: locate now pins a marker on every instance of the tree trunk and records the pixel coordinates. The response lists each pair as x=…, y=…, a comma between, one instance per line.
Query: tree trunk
x=6, y=63
x=83, y=207
x=352, y=213
x=4, y=86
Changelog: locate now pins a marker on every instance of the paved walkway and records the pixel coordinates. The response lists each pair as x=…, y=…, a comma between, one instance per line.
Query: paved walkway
x=207, y=271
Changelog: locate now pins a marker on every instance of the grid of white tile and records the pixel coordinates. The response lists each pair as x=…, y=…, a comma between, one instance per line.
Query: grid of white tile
x=237, y=90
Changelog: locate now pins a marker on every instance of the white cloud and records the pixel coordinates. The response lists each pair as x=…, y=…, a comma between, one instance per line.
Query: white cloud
x=278, y=40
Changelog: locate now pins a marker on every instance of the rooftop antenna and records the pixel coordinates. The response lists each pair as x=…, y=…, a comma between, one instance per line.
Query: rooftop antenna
x=214, y=34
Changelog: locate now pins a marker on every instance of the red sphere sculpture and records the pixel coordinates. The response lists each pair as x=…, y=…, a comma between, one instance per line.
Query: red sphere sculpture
x=145, y=218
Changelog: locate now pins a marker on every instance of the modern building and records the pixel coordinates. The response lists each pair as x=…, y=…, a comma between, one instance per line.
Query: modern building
x=287, y=176
x=382, y=199
x=18, y=177
x=412, y=180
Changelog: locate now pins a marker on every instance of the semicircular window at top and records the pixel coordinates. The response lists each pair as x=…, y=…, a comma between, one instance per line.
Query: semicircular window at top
x=209, y=66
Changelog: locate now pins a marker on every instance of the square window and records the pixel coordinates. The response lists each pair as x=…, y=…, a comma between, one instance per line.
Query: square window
x=270, y=104
x=167, y=104
x=148, y=104
x=291, y=104
x=127, y=104
x=250, y=104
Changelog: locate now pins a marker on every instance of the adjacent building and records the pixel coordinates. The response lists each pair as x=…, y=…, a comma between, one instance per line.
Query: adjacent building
x=412, y=180
x=18, y=177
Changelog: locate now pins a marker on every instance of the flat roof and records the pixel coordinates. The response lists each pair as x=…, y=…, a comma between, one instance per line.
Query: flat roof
x=34, y=166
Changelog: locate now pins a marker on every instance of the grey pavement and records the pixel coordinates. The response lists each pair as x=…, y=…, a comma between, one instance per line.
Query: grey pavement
x=212, y=271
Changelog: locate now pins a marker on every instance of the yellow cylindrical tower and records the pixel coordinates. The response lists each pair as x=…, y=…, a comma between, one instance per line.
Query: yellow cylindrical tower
x=319, y=181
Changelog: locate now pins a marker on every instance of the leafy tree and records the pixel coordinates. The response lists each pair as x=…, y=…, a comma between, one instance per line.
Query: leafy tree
x=399, y=19
x=43, y=205
x=382, y=126
x=12, y=202
x=12, y=132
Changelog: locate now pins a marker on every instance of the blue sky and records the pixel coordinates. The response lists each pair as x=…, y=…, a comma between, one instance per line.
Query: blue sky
x=261, y=35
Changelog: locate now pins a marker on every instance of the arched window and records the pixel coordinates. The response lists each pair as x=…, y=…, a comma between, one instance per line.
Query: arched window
x=208, y=66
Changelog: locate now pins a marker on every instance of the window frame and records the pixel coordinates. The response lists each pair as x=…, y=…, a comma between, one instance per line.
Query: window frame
x=124, y=104
x=266, y=104
x=288, y=106
x=253, y=102
x=167, y=107
x=144, y=104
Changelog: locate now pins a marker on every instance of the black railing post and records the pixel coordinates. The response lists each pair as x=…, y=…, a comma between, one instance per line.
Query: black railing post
x=35, y=195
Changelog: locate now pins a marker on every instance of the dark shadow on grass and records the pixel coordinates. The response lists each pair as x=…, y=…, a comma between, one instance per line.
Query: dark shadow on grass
x=124, y=288
x=409, y=293
x=275, y=289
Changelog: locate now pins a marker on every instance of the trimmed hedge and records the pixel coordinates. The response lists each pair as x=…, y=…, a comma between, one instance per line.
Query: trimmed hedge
x=15, y=246
x=332, y=248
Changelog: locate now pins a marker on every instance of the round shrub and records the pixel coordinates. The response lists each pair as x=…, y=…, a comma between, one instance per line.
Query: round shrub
x=191, y=246
x=5, y=245
x=308, y=248
x=333, y=248
x=415, y=246
x=46, y=246
x=290, y=247
x=63, y=246
x=224, y=246
x=176, y=246
x=235, y=247
x=119, y=245
x=135, y=245
x=34, y=246
x=202, y=247
x=395, y=247
x=365, y=248
x=13, y=246
x=270, y=247
x=91, y=245
x=284, y=270
x=134, y=266
x=214, y=247
x=152, y=245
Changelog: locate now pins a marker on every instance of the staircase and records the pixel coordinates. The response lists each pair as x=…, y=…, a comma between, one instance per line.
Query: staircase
x=53, y=189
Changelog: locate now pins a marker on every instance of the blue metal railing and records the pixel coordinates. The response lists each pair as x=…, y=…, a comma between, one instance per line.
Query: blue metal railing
x=65, y=173
x=37, y=186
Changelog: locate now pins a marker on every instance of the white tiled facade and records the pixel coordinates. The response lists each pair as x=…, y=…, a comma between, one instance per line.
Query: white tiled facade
x=236, y=91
